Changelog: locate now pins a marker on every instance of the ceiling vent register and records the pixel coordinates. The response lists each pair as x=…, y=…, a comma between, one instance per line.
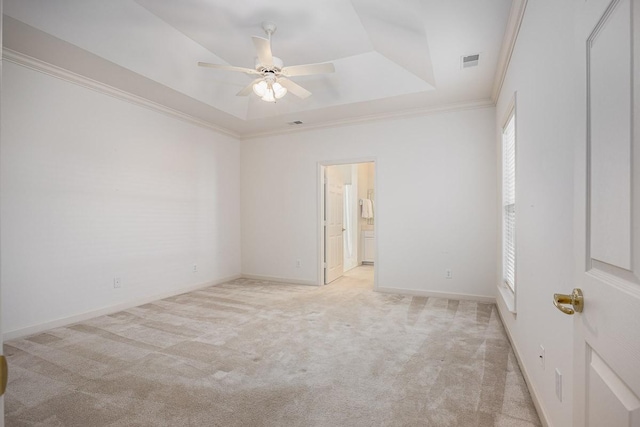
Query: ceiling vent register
x=470, y=60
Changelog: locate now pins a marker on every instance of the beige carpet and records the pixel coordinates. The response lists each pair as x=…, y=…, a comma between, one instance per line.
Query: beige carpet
x=251, y=353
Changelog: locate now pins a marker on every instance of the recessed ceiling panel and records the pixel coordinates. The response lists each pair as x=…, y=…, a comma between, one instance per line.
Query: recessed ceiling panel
x=307, y=32
x=397, y=31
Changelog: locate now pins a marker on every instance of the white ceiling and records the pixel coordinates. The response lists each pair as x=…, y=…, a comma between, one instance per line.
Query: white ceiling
x=390, y=56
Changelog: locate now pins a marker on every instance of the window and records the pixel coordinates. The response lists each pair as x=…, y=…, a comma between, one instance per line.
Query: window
x=509, y=202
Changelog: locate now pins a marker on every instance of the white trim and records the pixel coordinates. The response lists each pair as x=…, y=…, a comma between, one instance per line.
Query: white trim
x=447, y=295
x=71, y=77
x=532, y=390
x=509, y=111
x=396, y=114
x=353, y=161
x=516, y=15
x=279, y=279
x=321, y=223
x=508, y=296
x=41, y=327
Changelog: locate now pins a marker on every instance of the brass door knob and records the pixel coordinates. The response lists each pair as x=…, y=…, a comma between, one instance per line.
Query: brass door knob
x=4, y=374
x=576, y=299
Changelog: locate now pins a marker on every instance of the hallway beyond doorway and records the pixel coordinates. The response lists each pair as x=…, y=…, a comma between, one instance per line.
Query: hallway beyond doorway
x=347, y=194
x=360, y=277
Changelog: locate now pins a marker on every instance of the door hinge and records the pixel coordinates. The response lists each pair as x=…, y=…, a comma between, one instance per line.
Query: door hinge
x=324, y=265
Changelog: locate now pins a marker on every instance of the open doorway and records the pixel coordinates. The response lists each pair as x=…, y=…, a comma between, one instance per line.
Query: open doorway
x=347, y=223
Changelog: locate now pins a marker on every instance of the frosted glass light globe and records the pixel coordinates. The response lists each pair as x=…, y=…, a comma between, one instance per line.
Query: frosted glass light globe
x=260, y=88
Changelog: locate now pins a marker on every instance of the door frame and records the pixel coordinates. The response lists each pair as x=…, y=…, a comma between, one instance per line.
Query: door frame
x=320, y=213
x=1, y=334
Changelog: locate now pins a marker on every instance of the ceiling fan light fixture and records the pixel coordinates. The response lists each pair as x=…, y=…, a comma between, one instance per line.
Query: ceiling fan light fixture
x=268, y=91
x=278, y=90
x=260, y=88
x=269, y=96
x=273, y=80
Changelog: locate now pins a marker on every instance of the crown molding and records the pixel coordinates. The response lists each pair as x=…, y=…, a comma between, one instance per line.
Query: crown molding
x=516, y=15
x=69, y=76
x=415, y=112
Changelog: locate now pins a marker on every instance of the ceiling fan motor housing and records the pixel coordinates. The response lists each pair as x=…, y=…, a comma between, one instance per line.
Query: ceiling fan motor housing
x=276, y=67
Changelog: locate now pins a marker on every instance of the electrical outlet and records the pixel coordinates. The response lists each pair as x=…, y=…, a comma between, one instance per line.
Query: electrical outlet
x=298, y=263
x=195, y=268
x=559, y=384
x=541, y=356
x=116, y=282
x=448, y=274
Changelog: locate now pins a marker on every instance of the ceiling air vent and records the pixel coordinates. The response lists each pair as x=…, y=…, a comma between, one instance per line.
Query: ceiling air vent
x=295, y=123
x=470, y=60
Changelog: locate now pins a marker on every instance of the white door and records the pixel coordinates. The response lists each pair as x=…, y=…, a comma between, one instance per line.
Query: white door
x=607, y=214
x=333, y=231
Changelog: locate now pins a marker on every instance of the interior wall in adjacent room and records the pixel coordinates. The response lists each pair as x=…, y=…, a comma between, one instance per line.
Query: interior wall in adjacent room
x=366, y=172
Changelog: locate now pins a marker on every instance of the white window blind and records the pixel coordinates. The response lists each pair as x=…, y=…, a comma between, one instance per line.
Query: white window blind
x=509, y=202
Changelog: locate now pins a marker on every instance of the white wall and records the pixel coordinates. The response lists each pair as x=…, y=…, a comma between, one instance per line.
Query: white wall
x=95, y=188
x=541, y=72
x=435, y=200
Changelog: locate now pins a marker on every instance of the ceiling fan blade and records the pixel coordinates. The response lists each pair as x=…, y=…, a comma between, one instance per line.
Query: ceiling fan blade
x=295, y=88
x=263, y=49
x=305, y=70
x=228, y=68
x=248, y=89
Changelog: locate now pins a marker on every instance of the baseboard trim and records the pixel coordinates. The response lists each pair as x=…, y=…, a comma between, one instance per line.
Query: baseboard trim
x=279, y=279
x=41, y=327
x=527, y=379
x=421, y=293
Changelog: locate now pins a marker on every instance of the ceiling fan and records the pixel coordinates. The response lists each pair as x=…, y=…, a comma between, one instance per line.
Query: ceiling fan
x=273, y=82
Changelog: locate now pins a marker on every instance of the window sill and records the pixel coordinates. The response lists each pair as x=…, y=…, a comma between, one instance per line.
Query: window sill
x=509, y=297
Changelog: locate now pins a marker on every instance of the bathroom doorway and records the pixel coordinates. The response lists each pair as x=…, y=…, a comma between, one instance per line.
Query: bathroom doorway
x=347, y=222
